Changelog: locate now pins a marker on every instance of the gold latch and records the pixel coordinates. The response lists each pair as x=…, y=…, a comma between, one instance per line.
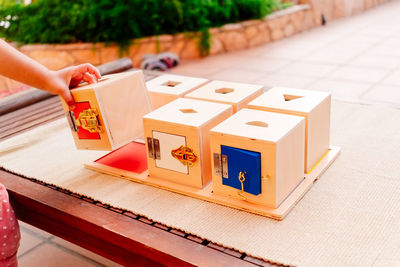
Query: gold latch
x=185, y=155
x=88, y=120
x=241, y=180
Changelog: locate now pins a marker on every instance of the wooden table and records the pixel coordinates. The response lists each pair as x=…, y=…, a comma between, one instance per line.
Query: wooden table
x=116, y=234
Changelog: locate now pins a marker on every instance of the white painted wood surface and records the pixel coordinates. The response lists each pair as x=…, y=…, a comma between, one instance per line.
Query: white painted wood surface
x=314, y=106
x=169, y=142
x=169, y=87
x=236, y=94
x=188, y=112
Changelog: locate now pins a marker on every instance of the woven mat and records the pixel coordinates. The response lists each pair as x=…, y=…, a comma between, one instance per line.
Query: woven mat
x=350, y=217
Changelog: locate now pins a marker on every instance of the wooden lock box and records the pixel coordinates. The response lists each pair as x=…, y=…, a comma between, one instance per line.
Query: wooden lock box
x=258, y=156
x=109, y=113
x=177, y=140
x=314, y=106
x=169, y=87
x=236, y=94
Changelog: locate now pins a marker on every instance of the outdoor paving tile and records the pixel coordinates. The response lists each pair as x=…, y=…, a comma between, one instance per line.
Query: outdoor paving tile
x=237, y=75
x=48, y=255
x=368, y=75
x=384, y=50
x=379, y=30
x=285, y=53
x=195, y=69
x=84, y=252
x=28, y=242
x=392, y=41
x=357, y=38
x=344, y=28
x=393, y=78
x=264, y=66
x=341, y=89
x=385, y=93
x=35, y=230
x=223, y=60
x=324, y=35
x=283, y=49
x=289, y=48
x=308, y=69
x=306, y=41
x=331, y=56
x=307, y=44
x=209, y=65
x=349, y=47
x=375, y=61
x=255, y=51
x=285, y=80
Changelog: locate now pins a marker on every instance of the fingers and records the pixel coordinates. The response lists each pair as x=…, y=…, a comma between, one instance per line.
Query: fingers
x=95, y=71
x=89, y=78
x=66, y=95
x=84, y=72
x=89, y=68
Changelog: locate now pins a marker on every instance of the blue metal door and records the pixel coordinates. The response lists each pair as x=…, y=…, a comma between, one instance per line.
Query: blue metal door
x=244, y=169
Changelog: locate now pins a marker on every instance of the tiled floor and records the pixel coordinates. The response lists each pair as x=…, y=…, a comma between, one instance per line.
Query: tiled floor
x=356, y=58
x=42, y=249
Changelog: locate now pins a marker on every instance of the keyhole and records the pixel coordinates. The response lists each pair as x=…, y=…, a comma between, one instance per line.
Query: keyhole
x=224, y=91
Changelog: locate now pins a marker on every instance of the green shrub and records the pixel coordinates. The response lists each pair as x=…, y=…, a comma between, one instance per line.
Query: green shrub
x=10, y=2
x=60, y=21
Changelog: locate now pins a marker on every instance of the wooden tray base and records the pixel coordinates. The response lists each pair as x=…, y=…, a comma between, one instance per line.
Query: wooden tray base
x=207, y=194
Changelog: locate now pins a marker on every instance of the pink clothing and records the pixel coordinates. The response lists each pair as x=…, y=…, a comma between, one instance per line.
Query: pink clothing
x=9, y=231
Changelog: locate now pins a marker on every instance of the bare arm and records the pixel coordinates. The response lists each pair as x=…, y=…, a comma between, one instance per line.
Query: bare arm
x=20, y=67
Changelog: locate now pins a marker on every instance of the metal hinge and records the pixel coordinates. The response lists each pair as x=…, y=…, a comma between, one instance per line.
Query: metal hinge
x=153, y=146
x=221, y=165
x=71, y=120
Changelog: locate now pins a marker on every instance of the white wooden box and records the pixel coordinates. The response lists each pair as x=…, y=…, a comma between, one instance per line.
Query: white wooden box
x=109, y=113
x=236, y=94
x=268, y=149
x=314, y=106
x=169, y=87
x=177, y=140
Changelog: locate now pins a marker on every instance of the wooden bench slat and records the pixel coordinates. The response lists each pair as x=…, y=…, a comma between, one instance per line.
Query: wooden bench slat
x=42, y=108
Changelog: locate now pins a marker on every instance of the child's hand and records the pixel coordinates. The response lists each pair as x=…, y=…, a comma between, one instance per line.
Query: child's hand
x=62, y=80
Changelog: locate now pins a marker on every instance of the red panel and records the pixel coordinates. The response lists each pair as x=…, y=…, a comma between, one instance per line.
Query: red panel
x=131, y=157
x=84, y=134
